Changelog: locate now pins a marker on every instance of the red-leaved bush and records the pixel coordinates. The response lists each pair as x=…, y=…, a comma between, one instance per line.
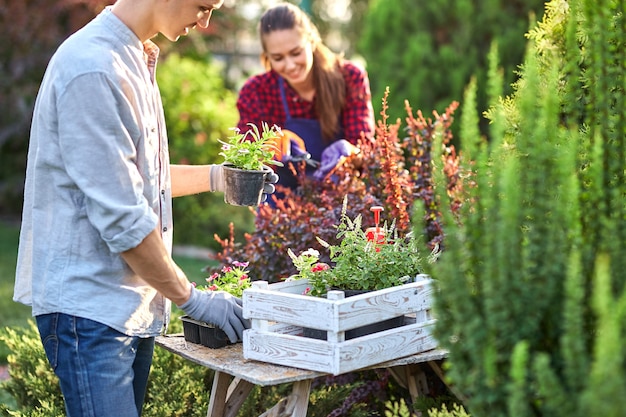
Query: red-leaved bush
x=390, y=171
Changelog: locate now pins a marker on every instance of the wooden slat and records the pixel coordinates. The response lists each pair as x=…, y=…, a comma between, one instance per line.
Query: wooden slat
x=335, y=315
x=337, y=358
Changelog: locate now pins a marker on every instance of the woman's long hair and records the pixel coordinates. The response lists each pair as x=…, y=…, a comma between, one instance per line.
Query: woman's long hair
x=330, y=85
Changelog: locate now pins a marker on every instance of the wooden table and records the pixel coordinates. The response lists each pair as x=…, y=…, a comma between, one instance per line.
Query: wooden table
x=235, y=376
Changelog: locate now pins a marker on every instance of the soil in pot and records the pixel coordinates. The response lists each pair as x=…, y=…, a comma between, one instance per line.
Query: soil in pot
x=244, y=187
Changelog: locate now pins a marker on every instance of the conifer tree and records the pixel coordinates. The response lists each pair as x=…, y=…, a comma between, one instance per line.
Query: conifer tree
x=531, y=300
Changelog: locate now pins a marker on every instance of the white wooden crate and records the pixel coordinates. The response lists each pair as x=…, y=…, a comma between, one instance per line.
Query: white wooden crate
x=279, y=312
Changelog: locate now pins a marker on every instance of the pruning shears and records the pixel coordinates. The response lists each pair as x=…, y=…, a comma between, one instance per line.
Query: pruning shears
x=302, y=156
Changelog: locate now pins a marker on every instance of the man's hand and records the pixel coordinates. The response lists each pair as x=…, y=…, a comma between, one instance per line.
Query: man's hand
x=270, y=179
x=219, y=308
x=217, y=183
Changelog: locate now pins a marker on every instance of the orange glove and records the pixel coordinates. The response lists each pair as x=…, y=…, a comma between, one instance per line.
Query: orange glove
x=284, y=142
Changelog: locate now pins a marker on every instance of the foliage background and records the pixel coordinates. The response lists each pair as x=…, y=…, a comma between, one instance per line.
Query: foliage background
x=521, y=252
x=421, y=61
x=427, y=51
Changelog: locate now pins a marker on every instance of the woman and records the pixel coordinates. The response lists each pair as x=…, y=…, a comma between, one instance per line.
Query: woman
x=307, y=90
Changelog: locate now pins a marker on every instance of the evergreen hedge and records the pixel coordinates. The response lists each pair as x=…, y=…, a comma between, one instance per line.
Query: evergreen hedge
x=531, y=299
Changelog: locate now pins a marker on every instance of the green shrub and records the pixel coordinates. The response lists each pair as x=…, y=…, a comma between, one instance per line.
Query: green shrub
x=530, y=300
x=177, y=387
x=457, y=411
x=431, y=52
x=33, y=385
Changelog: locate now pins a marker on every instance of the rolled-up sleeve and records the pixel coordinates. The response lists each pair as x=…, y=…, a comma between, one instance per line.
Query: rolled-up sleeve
x=100, y=155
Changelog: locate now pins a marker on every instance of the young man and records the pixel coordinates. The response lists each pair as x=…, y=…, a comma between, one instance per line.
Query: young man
x=94, y=254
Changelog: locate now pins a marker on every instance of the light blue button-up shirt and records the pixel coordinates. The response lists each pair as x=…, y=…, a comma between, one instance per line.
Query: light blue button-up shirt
x=97, y=181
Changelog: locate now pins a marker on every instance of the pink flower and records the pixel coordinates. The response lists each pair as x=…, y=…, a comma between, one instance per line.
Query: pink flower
x=241, y=264
x=213, y=288
x=307, y=290
x=243, y=277
x=213, y=277
x=194, y=284
x=227, y=269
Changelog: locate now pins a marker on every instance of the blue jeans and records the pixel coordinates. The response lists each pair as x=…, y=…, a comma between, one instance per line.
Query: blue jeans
x=103, y=373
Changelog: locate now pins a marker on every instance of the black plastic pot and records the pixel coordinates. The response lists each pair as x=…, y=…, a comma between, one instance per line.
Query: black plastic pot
x=204, y=334
x=244, y=187
x=359, y=331
x=380, y=326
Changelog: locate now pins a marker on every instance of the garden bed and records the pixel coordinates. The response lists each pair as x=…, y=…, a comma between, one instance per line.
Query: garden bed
x=279, y=313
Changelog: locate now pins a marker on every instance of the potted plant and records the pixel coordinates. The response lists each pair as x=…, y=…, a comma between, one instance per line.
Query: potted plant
x=232, y=279
x=246, y=159
x=362, y=261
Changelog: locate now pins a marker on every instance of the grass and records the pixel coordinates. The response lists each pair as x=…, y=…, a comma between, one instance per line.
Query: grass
x=11, y=313
x=14, y=314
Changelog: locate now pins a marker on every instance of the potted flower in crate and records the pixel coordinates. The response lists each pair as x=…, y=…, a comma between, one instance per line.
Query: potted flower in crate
x=362, y=261
x=232, y=279
x=246, y=160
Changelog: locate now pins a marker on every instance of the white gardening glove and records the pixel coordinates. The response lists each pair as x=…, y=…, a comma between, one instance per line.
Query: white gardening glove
x=217, y=183
x=219, y=308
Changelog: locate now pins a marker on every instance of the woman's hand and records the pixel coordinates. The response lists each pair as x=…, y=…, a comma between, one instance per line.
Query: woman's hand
x=333, y=155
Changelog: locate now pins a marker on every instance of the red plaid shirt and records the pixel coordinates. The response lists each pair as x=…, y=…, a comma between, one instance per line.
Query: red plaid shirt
x=259, y=101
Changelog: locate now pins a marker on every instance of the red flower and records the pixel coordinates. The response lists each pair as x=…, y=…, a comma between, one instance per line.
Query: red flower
x=320, y=266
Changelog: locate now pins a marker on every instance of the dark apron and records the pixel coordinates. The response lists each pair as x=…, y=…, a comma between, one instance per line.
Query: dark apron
x=310, y=131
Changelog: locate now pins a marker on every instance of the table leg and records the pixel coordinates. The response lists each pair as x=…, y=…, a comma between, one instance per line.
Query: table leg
x=238, y=391
x=227, y=395
x=437, y=369
x=217, y=401
x=302, y=390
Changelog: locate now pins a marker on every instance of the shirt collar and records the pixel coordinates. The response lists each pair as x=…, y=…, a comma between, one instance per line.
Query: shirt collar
x=118, y=27
x=127, y=36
